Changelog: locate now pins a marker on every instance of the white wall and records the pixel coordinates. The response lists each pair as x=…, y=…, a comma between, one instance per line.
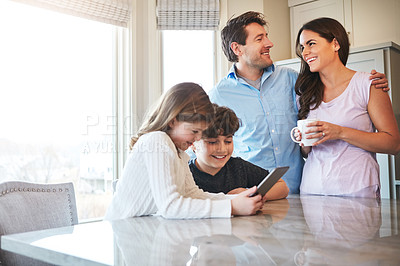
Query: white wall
x=278, y=16
x=375, y=21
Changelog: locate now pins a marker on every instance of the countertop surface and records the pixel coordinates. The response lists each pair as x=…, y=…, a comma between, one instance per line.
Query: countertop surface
x=299, y=230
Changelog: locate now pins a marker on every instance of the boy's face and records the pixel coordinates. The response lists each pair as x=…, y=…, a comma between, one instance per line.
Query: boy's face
x=213, y=153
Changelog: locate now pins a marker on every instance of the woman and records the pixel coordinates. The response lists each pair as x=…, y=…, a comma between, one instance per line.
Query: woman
x=349, y=110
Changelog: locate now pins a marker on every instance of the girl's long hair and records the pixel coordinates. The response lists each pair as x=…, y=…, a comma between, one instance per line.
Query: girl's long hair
x=186, y=102
x=309, y=85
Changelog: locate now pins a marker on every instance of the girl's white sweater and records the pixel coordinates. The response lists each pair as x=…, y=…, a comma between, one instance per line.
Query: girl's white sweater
x=157, y=180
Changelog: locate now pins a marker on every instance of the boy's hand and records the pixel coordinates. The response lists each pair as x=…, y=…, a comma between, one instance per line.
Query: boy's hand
x=237, y=190
x=379, y=80
x=245, y=205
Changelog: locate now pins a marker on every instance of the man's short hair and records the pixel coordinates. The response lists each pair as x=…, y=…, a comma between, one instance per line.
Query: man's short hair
x=234, y=31
x=226, y=123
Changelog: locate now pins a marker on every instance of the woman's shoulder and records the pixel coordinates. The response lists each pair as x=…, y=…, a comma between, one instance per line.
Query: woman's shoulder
x=360, y=85
x=361, y=80
x=362, y=77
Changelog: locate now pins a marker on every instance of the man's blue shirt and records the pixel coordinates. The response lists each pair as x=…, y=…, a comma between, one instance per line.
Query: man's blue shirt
x=267, y=116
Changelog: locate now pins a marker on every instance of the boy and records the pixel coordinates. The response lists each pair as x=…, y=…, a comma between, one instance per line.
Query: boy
x=214, y=170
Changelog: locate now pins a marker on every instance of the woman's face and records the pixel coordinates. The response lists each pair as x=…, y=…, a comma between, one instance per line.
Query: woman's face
x=183, y=134
x=317, y=52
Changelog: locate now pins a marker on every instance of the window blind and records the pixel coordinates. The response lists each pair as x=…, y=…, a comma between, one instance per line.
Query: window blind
x=116, y=12
x=187, y=14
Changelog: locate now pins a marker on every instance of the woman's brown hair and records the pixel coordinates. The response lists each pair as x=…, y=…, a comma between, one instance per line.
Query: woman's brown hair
x=309, y=85
x=186, y=102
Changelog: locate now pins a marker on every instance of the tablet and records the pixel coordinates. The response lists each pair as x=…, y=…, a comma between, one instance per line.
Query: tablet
x=270, y=180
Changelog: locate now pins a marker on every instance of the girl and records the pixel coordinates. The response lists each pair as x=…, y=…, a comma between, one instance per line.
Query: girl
x=156, y=177
x=343, y=161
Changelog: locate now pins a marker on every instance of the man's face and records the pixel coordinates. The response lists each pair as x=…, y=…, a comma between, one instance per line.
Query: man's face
x=255, y=53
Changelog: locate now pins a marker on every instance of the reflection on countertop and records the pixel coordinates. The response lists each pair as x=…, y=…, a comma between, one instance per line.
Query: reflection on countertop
x=338, y=226
x=306, y=230
x=299, y=230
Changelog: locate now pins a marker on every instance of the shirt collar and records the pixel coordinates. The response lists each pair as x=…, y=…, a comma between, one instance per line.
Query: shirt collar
x=267, y=72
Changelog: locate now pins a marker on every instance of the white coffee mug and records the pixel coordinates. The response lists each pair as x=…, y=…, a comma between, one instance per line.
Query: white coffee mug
x=302, y=127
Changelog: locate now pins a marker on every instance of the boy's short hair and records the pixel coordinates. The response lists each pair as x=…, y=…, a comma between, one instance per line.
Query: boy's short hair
x=226, y=123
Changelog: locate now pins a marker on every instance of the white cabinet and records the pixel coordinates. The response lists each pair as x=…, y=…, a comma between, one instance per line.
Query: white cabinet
x=375, y=21
x=304, y=11
x=366, y=21
x=385, y=58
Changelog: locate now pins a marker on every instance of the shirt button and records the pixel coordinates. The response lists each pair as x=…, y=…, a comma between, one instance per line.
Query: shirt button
x=267, y=113
x=276, y=148
x=273, y=130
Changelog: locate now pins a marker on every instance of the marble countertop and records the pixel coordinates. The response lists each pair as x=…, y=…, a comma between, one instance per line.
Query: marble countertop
x=300, y=230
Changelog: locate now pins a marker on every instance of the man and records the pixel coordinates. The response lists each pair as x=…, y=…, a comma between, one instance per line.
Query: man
x=262, y=96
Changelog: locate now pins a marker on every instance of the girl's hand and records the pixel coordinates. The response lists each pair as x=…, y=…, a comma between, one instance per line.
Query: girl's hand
x=245, y=205
x=325, y=131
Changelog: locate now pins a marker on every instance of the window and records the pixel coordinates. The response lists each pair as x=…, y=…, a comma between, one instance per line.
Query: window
x=56, y=102
x=188, y=56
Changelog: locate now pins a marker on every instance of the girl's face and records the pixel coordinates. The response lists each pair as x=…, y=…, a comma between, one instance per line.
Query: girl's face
x=213, y=153
x=183, y=134
x=317, y=51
